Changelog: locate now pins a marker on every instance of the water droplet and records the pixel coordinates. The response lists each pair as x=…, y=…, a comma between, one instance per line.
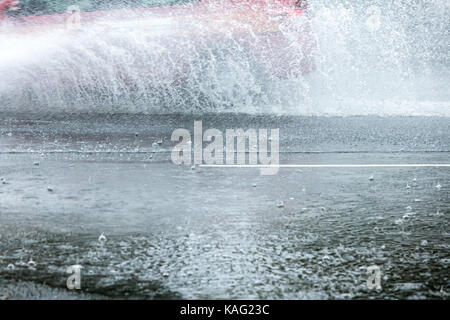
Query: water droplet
x=438, y=186
x=280, y=204
x=31, y=263
x=102, y=239
x=49, y=189
x=424, y=243
x=371, y=178
x=10, y=267
x=36, y=163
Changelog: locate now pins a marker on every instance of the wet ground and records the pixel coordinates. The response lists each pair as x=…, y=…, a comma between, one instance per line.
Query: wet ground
x=173, y=232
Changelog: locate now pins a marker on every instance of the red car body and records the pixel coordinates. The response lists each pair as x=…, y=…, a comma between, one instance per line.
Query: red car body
x=274, y=34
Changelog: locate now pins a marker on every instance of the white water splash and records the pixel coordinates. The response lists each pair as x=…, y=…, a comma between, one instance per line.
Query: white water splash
x=380, y=57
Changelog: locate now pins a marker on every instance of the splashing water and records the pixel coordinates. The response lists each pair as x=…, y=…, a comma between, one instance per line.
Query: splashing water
x=383, y=57
x=380, y=57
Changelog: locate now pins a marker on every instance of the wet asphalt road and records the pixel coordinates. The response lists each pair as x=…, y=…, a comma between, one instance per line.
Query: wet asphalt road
x=174, y=232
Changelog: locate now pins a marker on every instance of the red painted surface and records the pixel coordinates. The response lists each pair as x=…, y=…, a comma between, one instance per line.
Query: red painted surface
x=218, y=18
x=201, y=7
x=5, y=5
